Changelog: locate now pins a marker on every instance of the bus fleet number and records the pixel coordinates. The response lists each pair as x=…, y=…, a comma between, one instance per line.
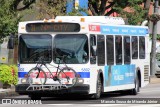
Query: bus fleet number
x=85, y=69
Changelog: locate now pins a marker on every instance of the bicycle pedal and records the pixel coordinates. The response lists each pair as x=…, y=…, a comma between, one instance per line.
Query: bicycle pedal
x=55, y=78
x=68, y=78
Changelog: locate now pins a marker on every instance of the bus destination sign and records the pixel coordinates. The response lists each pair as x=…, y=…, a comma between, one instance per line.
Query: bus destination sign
x=52, y=27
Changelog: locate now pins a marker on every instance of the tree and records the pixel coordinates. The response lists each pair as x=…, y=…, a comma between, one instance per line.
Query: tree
x=25, y=4
x=154, y=18
x=8, y=19
x=51, y=8
x=99, y=7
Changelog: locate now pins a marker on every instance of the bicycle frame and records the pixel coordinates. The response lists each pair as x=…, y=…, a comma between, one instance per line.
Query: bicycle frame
x=44, y=64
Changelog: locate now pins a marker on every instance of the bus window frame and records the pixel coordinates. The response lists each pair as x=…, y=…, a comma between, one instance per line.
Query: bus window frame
x=93, y=52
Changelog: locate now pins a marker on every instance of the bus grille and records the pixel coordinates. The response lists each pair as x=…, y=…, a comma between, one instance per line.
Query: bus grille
x=146, y=72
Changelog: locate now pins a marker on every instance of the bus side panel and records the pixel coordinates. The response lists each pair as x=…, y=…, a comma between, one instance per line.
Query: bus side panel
x=119, y=77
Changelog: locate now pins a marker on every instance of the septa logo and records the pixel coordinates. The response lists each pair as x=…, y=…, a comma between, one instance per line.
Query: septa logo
x=95, y=28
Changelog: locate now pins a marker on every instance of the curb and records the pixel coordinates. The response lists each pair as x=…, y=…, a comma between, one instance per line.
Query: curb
x=8, y=93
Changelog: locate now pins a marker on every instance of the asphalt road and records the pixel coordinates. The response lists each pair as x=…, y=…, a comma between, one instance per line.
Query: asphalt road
x=147, y=95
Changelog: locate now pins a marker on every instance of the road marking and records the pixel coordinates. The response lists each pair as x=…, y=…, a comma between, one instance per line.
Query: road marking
x=147, y=105
x=144, y=91
x=106, y=105
x=131, y=105
x=60, y=104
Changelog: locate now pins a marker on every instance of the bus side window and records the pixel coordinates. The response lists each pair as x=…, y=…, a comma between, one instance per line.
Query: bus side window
x=127, y=55
x=141, y=48
x=101, y=50
x=118, y=50
x=134, y=47
x=110, y=49
x=92, y=49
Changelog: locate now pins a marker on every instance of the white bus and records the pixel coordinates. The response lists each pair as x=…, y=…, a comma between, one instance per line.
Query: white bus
x=107, y=54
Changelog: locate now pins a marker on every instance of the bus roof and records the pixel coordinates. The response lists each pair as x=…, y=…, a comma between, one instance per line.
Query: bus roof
x=93, y=24
x=88, y=19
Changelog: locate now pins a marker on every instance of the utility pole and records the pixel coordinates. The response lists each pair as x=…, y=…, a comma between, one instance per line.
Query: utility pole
x=154, y=35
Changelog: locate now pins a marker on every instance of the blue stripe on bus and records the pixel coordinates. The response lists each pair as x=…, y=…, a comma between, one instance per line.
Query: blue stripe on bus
x=82, y=74
x=119, y=30
x=21, y=74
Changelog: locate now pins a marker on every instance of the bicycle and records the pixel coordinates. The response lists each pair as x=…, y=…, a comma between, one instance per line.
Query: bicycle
x=64, y=75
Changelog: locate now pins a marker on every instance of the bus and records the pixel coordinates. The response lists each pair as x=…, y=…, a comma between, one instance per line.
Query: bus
x=107, y=55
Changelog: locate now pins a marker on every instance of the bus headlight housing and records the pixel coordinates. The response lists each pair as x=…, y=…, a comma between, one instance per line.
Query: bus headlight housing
x=80, y=81
x=24, y=80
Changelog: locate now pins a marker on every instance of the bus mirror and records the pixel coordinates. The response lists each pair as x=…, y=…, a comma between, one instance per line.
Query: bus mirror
x=11, y=42
x=94, y=50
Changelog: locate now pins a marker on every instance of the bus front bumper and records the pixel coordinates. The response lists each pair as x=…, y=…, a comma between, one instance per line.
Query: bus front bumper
x=82, y=89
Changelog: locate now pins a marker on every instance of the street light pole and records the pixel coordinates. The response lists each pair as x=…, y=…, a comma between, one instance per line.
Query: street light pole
x=154, y=39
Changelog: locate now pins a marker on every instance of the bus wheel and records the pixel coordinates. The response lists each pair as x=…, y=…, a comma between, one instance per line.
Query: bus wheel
x=98, y=89
x=35, y=97
x=137, y=88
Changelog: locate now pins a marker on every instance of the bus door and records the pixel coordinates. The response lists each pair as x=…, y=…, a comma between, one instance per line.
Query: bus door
x=93, y=62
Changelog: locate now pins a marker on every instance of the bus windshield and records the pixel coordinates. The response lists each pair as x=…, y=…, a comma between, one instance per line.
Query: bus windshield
x=73, y=46
x=32, y=47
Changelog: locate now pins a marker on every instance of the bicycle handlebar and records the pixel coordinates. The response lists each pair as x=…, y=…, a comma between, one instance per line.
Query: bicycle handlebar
x=42, y=58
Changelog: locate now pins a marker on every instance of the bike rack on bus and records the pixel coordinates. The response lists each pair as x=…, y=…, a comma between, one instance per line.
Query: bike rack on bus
x=46, y=87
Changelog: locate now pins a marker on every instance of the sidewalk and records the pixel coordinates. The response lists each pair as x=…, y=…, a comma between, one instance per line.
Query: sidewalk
x=154, y=80
x=8, y=92
x=11, y=91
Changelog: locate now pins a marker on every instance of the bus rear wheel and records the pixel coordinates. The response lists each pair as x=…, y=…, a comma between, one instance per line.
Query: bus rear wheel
x=137, y=88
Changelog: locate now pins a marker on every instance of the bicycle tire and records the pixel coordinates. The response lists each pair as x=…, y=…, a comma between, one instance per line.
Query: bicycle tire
x=34, y=78
x=68, y=72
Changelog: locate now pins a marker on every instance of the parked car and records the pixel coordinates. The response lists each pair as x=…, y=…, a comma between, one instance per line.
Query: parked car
x=157, y=65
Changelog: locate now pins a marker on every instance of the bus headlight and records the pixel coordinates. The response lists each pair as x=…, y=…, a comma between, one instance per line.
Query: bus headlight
x=24, y=80
x=80, y=80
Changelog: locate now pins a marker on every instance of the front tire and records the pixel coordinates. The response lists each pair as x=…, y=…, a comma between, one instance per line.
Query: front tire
x=97, y=95
x=68, y=76
x=37, y=76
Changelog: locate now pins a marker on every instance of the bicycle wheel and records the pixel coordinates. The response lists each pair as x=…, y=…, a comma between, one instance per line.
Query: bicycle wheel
x=68, y=77
x=36, y=76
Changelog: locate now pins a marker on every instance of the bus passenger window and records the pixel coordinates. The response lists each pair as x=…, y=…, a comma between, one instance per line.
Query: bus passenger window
x=92, y=49
x=101, y=50
x=134, y=47
x=118, y=50
x=110, y=49
x=141, y=48
x=127, y=56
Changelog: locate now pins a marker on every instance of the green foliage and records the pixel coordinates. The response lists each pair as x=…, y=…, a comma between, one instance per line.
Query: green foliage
x=154, y=17
x=5, y=74
x=8, y=19
x=50, y=8
x=157, y=37
x=9, y=74
x=135, y=15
